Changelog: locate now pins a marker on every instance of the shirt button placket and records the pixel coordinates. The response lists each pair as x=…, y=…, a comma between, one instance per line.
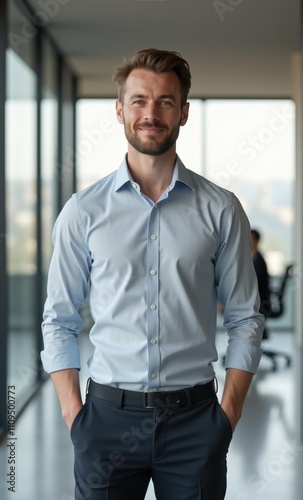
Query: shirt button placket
x=153, y=297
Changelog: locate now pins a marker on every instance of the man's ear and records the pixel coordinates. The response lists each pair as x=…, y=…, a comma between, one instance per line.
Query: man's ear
x=184, y=115
x=119, y=111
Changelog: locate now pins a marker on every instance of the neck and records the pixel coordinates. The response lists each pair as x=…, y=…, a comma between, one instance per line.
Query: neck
x=152, y=173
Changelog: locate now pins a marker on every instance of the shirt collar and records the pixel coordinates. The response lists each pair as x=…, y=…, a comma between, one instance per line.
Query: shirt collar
x=180, y=174
x=122, y=175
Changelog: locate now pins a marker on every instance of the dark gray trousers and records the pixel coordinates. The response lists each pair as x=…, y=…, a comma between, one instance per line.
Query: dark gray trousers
x=119, y=449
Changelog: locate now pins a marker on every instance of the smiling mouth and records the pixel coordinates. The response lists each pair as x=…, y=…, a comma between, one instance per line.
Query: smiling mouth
x=151, y=130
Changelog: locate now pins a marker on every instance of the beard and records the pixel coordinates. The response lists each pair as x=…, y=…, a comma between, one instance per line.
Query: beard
x=151, y=145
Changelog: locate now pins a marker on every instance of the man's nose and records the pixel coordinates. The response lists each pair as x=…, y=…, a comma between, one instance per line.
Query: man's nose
x=151, y=112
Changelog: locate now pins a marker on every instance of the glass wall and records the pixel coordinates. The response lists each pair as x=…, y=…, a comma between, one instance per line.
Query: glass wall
x=3, y=273
x=101, y=143
x=250, y=150
x=21, y=199
x=49, y=152
x=67, y=175
x=39, y=120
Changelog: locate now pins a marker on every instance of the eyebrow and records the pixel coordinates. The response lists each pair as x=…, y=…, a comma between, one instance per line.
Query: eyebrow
x=143, y=96
x=167, y=96
x=136, y=96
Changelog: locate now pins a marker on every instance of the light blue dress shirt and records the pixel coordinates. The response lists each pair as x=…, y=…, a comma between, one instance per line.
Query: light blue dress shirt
x=154, y=273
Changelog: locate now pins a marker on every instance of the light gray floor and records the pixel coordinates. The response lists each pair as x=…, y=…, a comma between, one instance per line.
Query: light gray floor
x=265, y=460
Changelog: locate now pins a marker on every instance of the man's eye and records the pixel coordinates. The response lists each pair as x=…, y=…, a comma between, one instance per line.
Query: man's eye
x=166, y=104
x=138, y=102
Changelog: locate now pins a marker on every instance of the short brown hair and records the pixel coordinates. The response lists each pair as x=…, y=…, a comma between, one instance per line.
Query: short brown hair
x=159, y=61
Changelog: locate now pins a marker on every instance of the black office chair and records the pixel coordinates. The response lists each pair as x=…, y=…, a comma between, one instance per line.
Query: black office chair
x=274, y=310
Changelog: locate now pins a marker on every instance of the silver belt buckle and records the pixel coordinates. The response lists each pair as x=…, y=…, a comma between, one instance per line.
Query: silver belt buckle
x=145, y=398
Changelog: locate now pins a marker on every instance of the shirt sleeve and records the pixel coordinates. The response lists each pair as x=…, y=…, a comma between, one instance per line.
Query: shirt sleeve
x=238, y=291
x=67, y=288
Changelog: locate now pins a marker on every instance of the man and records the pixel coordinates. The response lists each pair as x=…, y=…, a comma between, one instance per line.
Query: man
x=158, y=246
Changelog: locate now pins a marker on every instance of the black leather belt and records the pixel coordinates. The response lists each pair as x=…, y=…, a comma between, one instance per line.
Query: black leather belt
x=153, y=399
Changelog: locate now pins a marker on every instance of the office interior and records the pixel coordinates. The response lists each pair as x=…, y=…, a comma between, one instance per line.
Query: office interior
x=57, y=58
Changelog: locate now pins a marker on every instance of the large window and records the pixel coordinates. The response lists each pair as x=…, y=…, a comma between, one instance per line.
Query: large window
x=39, y=129
x=250, y=150
x=49, y=151
x=21, y=197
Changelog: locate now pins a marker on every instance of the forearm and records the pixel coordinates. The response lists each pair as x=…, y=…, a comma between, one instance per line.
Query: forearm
x=67, y=386
x=237, y=383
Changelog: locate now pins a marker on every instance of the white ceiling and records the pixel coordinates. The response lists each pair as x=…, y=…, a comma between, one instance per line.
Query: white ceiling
x=245, y=50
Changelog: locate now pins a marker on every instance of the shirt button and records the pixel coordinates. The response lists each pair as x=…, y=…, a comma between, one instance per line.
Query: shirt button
x=153, y=272
x=153, y=306
x=153, y=237
x=155, y=206
x=153, y=376
x=153, y=341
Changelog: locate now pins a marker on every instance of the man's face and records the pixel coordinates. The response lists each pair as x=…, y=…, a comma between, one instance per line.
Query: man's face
x=151, y=111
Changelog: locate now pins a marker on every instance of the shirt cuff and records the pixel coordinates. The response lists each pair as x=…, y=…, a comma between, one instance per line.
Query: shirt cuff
x=55, y=359
x=243, y=357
